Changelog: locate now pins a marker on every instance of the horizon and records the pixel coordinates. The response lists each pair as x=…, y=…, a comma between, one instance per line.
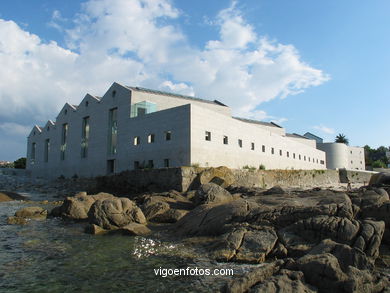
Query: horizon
x=309, y=67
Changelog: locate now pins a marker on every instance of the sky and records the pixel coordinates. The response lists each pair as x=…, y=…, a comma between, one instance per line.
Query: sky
x=311, y=66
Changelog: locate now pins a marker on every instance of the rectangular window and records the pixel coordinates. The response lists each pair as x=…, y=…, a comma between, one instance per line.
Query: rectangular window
x=168, y=135
x=299, y=156
x=112, y=131
x=225, y=139
x=208, y=135
x=136, y=165
x=33, y=151
x=293, y=155
x=304, y=158
x=151, y=164
x=240, y=143
x=64, y=137
x=151, y=138
x=263, y=148
x=137, y=140
x=272, y=150
x=280, y=152
x=309, y=159
x=46, y=152
x=166, y=163
x=252, y=146
x=110, y=167
x=288, y=154
x=322, y=162
x=84, y=137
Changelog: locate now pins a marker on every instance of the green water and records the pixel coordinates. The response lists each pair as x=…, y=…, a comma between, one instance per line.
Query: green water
x=57, y=256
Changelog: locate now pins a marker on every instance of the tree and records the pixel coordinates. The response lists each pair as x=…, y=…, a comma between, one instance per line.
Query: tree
x=341, y=138
x=20, y=163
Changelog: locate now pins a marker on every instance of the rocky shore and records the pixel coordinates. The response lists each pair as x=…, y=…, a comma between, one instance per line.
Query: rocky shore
x=315, y=240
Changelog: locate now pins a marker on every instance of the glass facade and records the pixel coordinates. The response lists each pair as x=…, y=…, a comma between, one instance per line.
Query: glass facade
x=112, y=131
x=64, y=136
x=85, y=137
x=142, y=108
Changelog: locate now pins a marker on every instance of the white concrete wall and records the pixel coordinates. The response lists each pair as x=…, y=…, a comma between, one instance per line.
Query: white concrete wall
x=215, y=153
x=339, y=155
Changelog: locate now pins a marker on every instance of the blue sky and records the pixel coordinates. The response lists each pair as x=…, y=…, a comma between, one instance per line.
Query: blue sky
x=318, y=66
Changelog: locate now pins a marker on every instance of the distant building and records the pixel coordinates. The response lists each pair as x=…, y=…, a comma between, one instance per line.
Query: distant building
x=340, y=155
x=5, y=163
x=133, y=127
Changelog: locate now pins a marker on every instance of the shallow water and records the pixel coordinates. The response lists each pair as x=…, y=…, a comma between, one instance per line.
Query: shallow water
x=57, y=256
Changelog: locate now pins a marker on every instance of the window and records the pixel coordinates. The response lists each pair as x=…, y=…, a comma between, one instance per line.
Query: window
x=113, y=93
x=225, y=139
x=136, y=165
x=304, y=158
x=322, y=162
x=280, y=152
x=86, y=104
x=110, y=166
x=168, y=135
x=137, y=140
x=48, y=128
x=166, y=163
x=293, y=155
x=46, y=152
x=66, y=111
x=208, y=135
x=151, y=138
x=263, y=148
x=240, y=143
x=142, y=108
x=84, y=137
x=309, y=159
x=299, y=156
x=64, y=136
x=150, y=164
x=33, y=150
x=272, y=151
x=252, y=146
x=112, y=131
x=288, y=154
x=351, y=152
x=351, y=162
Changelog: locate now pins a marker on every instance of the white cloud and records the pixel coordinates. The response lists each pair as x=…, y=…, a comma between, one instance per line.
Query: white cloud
x=139, y=42
x=324, y=129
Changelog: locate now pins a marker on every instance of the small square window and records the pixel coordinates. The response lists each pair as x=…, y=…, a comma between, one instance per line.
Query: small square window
x=252, y=146
x=208, y=135
x=225, y=139
x=263, y=148
x=168, y=135
x=137, y=140
x=151, y=138
x=240, y=143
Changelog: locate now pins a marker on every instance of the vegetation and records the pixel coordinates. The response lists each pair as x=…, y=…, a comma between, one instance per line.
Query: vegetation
x=249, y=168
x=341, y=138
x=20, y=163
x=376, y=158
x=261, y=167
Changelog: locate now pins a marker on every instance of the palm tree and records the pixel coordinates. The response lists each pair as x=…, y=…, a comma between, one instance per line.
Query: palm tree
x=342, y=139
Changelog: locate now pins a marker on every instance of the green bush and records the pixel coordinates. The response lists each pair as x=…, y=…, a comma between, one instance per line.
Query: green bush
x=261, y=167
x=20, y=163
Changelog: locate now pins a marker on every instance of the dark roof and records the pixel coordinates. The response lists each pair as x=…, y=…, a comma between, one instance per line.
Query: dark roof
x=271, y=124
x=309, y=133
x=175, y=95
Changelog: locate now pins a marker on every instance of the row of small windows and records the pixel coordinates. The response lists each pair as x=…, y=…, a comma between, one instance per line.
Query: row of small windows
x=149, y=164
x=151, y=137
x=225, y=140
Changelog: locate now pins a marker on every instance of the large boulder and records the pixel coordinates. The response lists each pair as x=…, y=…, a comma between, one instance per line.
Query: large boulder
x=8, y=196
x=212, y=193
x=114, y=213
x=23, y=215
x=222, y=176
x=368, y=197
x=78, y=206
x=379, y=179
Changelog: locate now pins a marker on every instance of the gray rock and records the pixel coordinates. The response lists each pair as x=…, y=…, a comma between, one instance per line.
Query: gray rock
x=275, y=190
x=378, y=179
x=212, y=193
x=114, y=213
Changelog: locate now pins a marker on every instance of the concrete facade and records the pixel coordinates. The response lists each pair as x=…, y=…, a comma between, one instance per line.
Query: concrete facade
x=130, y=128
x=340, y=155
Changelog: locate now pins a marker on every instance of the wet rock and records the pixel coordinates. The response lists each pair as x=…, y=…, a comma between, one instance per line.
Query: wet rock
x=135, y=229
x=16, y=221
x=211, y=193
x=94, y=229
x=170, y=216
x=8, y=196
x=31, y=213
x=114, y=213
x=274, y=190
